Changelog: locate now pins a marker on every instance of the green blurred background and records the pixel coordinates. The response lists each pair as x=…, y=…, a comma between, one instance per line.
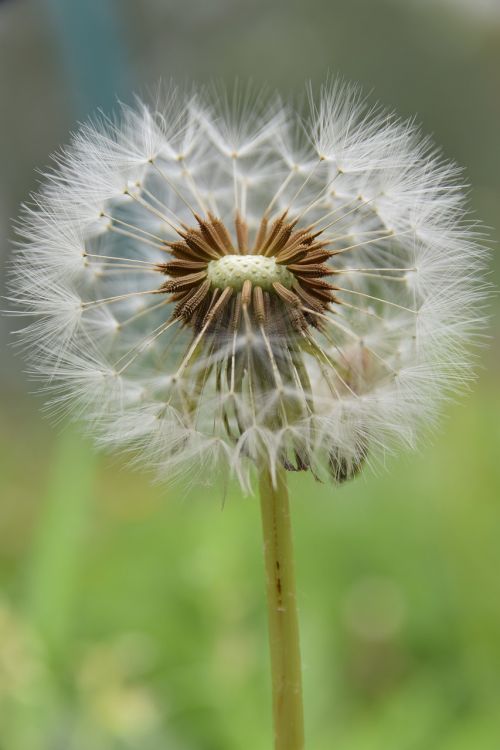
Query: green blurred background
x=132, y=616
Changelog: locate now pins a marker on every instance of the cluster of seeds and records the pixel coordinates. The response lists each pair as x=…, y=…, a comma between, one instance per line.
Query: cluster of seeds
x=281, y=277
x=222, y=282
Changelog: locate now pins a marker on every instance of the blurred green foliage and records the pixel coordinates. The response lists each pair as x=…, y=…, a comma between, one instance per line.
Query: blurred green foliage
x=163, y=642
x=132, y=616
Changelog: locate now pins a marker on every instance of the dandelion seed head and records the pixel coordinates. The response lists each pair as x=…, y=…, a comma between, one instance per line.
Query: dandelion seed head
x=216, y=281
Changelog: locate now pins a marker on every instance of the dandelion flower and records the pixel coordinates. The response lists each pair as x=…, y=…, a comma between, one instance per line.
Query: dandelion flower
x=225, y=282
x=220, y=283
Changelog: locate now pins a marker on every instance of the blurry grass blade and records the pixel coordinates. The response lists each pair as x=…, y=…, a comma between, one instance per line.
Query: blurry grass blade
x=53, y=571
x=52, y=582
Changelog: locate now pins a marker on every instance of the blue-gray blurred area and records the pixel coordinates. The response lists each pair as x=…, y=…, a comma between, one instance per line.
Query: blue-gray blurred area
x=133, y=616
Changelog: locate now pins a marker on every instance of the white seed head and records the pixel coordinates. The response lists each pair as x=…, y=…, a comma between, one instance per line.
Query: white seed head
x=222, y=282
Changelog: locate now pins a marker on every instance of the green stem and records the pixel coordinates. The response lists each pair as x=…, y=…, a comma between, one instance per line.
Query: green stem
x=282, y=613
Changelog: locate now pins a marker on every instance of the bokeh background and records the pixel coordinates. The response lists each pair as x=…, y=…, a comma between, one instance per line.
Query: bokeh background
x=133, y=616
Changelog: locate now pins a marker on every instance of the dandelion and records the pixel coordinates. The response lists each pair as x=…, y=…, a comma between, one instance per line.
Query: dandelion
x=221, y=284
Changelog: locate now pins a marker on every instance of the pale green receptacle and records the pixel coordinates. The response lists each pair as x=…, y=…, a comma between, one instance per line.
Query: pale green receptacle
x=234, y=270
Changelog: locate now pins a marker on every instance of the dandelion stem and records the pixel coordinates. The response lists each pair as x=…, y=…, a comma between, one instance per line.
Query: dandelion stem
x=282, y=613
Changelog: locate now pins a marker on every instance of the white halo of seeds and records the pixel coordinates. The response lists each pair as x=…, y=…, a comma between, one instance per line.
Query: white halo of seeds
x=365, y=284
x=233, y=270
